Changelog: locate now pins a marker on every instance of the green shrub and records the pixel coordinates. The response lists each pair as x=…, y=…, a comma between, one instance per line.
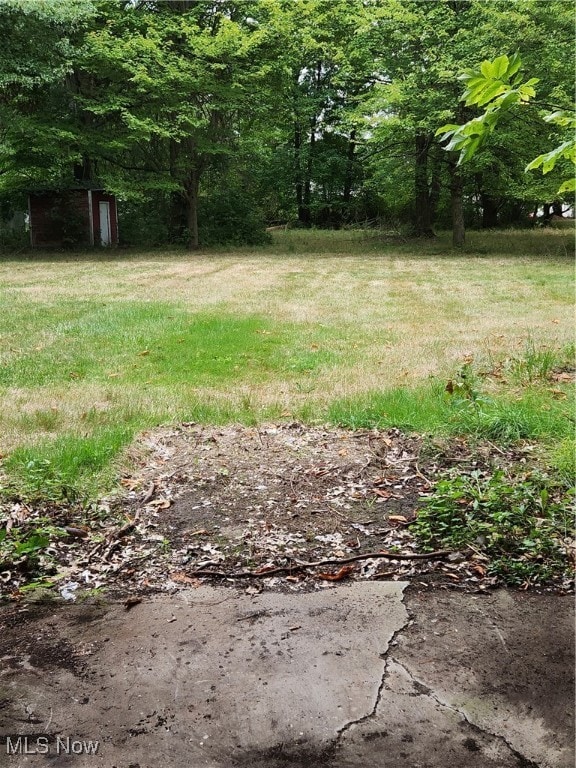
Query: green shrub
x=519, y=522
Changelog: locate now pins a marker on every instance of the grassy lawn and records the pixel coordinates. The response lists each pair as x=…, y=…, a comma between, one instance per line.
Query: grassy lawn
x=342, y=326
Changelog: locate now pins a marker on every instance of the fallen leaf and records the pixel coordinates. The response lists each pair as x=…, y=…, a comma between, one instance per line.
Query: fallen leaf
x=144, y=353
x=345, y=571
x=557, y=393
x=397, y=519
x=130, y=483
x=182, y=578
x=265, y=569
x=160, y=503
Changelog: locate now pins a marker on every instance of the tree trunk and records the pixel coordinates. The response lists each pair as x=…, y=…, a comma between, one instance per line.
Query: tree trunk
x=349, y=177
x=305, y=214
x=298, y=169
x=192, y=188
x=177, y=217
x=422, y=213
x=557, y=208
x=436, y=181
x=457, y=205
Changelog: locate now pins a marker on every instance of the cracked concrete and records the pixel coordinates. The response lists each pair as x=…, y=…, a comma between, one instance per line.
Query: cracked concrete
x=347, y=677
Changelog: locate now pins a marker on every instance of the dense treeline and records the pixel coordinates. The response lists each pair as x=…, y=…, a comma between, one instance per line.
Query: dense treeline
x=212, y=118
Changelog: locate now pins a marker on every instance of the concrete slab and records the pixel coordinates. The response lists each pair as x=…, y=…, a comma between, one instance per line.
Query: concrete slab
x=351, y=676
x=206, y=676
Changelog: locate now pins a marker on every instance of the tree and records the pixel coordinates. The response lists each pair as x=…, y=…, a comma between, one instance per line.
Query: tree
x=425, y=47
x=323, y=111
x=172, y=80
x=498, y=87
x=38, y=131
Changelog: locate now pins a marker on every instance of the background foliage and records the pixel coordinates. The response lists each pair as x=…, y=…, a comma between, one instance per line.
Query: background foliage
x=212, y=118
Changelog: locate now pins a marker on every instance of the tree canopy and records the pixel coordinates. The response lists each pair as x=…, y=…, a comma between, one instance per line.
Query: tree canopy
x=211, y=118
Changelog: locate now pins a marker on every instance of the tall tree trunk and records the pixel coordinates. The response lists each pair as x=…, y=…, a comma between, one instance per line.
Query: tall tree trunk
x=298, y=169
x=306, y=213
x=192, y=188
x=557, y=208
x=457, y=205
x=435, y=181
x=349, y=177
x=422, y=213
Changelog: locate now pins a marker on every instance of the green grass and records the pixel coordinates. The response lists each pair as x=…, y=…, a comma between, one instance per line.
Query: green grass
x=70, y=467
x=354, y=328
x=533, y=415
x=154, y=343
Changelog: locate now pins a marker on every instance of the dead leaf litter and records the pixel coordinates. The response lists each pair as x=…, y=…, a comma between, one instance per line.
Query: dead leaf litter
x=286, y=507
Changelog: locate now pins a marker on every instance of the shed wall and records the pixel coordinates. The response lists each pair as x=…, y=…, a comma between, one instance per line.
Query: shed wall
x=63, y=218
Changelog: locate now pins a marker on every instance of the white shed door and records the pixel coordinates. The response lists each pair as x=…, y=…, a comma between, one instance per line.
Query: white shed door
x=105, y=232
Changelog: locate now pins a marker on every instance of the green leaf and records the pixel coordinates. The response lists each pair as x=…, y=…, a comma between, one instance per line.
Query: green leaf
x=491, y=92
x=449, y=128
x=514, y=65
x=500, y=67
x=488, y=69
x=568, y=186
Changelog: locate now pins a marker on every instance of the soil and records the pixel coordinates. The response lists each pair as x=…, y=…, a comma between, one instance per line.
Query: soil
x=237, y=498
x=250, y=506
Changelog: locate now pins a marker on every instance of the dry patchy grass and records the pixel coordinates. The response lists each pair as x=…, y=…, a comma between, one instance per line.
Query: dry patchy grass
x=384, y=314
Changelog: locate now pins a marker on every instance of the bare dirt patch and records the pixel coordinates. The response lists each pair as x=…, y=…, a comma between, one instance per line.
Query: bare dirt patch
x=286, y=507
x=208, y=502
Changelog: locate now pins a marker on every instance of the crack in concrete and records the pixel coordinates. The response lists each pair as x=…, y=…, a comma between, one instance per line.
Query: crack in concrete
x=341, y=731
x=423, y=689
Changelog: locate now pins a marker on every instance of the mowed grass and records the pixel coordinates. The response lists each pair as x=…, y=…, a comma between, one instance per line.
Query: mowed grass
x=350, y=327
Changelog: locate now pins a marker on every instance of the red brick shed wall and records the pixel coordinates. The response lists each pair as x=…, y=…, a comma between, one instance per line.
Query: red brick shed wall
x=59, y=218
x=63, y=218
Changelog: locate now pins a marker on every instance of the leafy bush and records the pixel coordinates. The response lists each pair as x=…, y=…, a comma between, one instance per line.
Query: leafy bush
x=228, y=217
x=520, y=523
x=21, y=547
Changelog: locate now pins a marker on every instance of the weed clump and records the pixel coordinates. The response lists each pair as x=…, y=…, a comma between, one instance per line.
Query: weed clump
x=518, y=525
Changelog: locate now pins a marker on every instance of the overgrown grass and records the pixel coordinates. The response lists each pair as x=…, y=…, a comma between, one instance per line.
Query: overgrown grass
x=533, y=415
x=510, y=400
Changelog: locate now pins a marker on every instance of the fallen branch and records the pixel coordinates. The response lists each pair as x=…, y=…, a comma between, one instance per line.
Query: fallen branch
x=112, y=540
x=300, y=566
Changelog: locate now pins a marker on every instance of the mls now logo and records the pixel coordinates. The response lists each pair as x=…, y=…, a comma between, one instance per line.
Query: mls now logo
x=26, y=745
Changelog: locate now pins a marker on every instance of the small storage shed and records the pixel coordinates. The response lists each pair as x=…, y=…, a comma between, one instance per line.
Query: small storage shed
x=72, y=217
